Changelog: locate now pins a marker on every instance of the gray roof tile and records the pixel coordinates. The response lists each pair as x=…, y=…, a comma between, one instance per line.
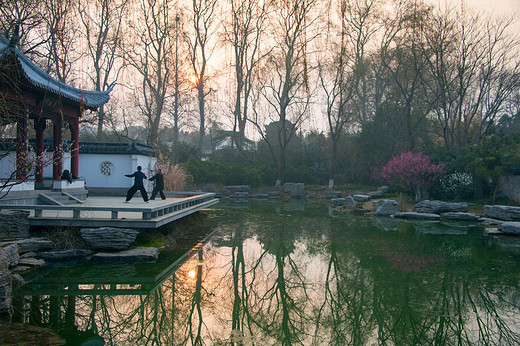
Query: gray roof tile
x=38, y=78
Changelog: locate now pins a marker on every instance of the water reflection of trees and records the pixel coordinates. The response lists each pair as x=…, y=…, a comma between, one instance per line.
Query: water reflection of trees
x=293, y=278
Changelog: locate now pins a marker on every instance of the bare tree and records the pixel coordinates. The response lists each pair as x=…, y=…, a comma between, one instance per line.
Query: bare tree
x=151, y=57
x=475, y=74
x=102, y=22
x=200, y=48
x=28, y=16
x=344, y=75
x=402, y=55
x=246, y=29
x=286, y=85
x=61, y=27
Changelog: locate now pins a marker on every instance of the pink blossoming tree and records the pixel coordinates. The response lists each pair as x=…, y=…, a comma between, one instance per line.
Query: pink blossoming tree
x=412, y=172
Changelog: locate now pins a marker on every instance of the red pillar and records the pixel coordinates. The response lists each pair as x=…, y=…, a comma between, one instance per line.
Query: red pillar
x=57, y=148
x=39, y=127
x=21, y=146
x=74, y=150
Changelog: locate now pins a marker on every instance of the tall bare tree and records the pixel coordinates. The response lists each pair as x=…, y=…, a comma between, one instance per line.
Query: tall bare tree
x=28, y=16
x=244, y=34
x=475, y=74
x=102, y=22
x=200, y=48
x=403, y=57
x=286, y=87
x=60, y=23
x=343, y=71
x=151, y=57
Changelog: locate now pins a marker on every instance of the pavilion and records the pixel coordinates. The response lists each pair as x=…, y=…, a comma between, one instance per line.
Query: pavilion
x=28, y=94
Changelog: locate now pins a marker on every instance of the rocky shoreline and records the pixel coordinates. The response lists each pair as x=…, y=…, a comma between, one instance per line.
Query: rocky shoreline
x=20, y=252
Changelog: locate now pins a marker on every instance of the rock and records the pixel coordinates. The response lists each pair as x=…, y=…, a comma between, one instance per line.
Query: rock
x=361, y=198
x=413, y=215
x=262, y=196
x=333, y=194
x=5, y=291
x=109, y=238
x=14, y=225
x=502, y=212
x=30, y=262
x=297, y=190
x=511, y=227
x=66, y=255
x=32, y=245
x=437, y=207
x=25, y=334
x=490, y=222
x=386, y=207
x=376, y=194
x=459, y=216
x=238, y=188
x=137, y=254
x=347, y=202
x=383, y=188
x=492, y=231
x=273, y=194
x=9, y=256
x=239, y=194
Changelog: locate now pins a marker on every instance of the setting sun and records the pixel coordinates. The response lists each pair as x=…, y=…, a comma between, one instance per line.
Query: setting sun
x=193, y=79
x=192, y=273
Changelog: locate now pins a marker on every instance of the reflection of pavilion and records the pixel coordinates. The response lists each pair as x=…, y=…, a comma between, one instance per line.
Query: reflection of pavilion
x=108, y=279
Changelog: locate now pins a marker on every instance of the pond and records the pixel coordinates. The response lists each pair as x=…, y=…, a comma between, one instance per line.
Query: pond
x=290, y=273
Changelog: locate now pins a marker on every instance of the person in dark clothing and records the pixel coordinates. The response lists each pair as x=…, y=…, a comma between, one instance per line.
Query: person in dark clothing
x=159, y=184
x=66, y=176
x=138, y=185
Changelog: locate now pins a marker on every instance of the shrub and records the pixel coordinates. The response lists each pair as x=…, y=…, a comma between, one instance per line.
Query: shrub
x=457, y=185
x=411, y=171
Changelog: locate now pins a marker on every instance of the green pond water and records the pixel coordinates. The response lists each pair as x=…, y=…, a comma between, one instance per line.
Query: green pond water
x=292, y=273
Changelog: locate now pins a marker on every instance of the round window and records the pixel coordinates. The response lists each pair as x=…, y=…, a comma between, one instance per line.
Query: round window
x=106, y=168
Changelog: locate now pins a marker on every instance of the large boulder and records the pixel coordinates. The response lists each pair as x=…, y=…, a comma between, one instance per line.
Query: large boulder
x=14, y=225
x=66, y=255
x=417, y=216
x=510, y=227
x=502, y=212
x=9, y=256
x=109, y=238
x=32, y=245
x=459, y=216
x=297, y=190
x=361, y=198
x=136, y=254
x=386, y=207
x=438, y=207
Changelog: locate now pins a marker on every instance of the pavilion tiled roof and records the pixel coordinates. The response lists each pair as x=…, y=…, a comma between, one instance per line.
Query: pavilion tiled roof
x=39, y=79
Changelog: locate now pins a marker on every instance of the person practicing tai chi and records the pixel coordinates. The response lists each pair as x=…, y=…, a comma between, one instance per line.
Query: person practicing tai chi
x=138, y=185
x=159, y=184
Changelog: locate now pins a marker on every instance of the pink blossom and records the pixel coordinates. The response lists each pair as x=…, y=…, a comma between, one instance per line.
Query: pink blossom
x=411, y=169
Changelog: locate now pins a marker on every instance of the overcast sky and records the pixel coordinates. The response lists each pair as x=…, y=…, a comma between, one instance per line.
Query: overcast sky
x=500, y=7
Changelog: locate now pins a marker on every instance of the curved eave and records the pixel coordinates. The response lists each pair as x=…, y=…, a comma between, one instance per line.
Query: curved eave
x=39, y=79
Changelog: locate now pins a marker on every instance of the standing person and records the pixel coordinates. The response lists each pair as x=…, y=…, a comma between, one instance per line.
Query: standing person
x=159, y=184
x=138, y=185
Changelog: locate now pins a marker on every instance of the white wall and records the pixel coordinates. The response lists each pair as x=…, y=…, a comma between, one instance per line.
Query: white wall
x=90, y=167
x=8, y=164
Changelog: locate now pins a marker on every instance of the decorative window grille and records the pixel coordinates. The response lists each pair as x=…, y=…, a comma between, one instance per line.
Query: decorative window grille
x=106, y=168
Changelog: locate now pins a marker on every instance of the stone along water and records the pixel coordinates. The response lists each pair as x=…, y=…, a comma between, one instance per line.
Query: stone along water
x=289, y=273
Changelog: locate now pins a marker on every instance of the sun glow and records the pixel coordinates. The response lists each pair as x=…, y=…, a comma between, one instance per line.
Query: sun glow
x=194, y=79
x=192, y=273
